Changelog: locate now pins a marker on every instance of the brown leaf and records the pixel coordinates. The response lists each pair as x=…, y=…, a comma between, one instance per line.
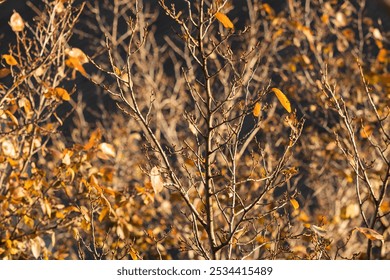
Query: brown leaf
x=4, y=72
x=370, y=233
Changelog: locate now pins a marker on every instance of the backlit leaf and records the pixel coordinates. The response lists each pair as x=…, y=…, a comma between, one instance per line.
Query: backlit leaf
x=294, y=203
x=74, y=63
x=257, y=109
x=282, y=99
x=16, y=22
x=222, y=18
x=9, y=59
x=62, y=94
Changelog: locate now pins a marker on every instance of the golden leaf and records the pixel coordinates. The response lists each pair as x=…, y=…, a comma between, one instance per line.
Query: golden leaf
x=294, y=203
x=222, y=18
x=62, y=94
x=75, y=63
x=366, y=131
x=370, y=233
x=282, y=99
x=9, y=59
x=16, y=22
x=257, y=109
x=104, y=213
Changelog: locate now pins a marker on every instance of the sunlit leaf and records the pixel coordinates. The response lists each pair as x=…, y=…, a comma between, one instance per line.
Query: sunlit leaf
x=370, y=233
x=9, y=59
x=62, y=94
x=257, y=109
x=12, y=117
x=319, y=230
x=294, y=203
x=107, y=149
x=156, y=180
x=282, y=99
x=35, y=247
x=222, y=18
x=366, y=131
x=16, y=22
x=103, y=213
x=76, y=64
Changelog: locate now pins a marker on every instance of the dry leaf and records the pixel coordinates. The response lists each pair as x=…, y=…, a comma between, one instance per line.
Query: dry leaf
x=257, y=109
x=294, y=203
x=370, y=233
x=107, y=149
x=36, y=247
x=156, y=180
x=319, y=230
x=222, y=18
x=9, y=59
x=4, y=72
x=282, y=99
x=16, y=22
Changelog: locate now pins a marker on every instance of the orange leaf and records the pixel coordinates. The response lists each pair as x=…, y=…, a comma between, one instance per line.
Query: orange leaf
x=62, y=94
x=294, y=203
x=9, y=59
x=282, y=99
x=222, y=18
x=257, y=109
x=75, y=63
x=370, y=233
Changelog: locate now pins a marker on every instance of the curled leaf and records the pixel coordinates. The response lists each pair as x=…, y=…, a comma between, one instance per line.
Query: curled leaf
x=282, y=99
x=222, y=18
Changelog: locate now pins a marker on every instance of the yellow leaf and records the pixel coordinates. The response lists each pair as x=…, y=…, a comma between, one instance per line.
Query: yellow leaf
x=294, y=203
x=370, y=233
x=9, y=59
x=104, y=213
x=62, y=94
x=257, y=109
x=75, y=63
x=282, y=99
x=222, y=18
x=12, y=117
